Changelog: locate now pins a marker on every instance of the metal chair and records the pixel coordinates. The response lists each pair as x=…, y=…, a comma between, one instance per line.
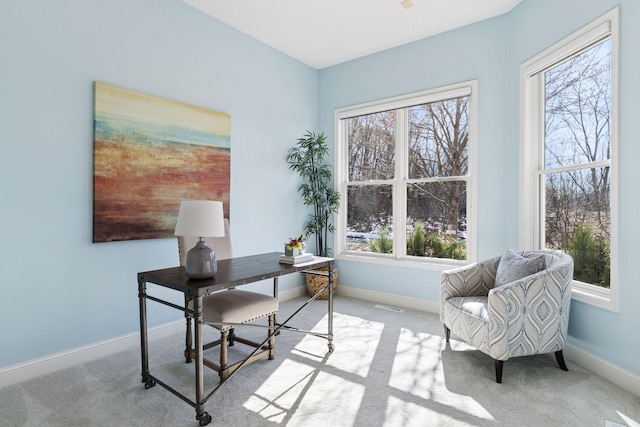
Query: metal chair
x=223, y=308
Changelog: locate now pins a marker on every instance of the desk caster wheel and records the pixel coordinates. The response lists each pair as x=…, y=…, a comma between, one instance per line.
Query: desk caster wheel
x=149, y=383
x=331, y=348
x=204, y=419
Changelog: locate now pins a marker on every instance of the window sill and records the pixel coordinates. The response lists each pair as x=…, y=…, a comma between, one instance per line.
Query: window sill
x=594, y=295
x=427, y=264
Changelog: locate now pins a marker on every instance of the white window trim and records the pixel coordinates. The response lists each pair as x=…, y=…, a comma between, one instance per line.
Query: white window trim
x=530, y=151
x=469, y=88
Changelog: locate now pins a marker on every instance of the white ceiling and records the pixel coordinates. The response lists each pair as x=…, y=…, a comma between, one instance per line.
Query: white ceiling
x=322, y=33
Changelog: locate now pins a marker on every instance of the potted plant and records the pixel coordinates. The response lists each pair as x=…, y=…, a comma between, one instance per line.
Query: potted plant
x=307, y=158
x=295, y=246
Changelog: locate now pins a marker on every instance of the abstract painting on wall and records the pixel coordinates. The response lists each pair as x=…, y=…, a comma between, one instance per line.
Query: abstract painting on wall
x=149, y=153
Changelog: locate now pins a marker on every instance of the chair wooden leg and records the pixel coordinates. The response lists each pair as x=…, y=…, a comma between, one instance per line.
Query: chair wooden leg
x=223, y=353
x=499, y=364
x=232, y=337
x=447, y=332
x=188, y=340
x=560, y=360
x=272, y=340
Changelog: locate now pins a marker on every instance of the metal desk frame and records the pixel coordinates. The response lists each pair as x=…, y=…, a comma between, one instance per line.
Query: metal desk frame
x=231, y=273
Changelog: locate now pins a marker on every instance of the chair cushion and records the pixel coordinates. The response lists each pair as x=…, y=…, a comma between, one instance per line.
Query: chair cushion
x=472, y=306
x=236, y=306
x=513, y=267
x=468, y=318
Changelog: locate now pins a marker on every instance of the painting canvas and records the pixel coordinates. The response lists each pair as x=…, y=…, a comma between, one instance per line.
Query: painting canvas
x=150, y=153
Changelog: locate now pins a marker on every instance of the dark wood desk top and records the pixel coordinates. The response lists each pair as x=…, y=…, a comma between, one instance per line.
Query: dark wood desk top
x=231, y=272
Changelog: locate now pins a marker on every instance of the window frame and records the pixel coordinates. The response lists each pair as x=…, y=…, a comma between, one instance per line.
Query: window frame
x=399, y=257
x=532, y=100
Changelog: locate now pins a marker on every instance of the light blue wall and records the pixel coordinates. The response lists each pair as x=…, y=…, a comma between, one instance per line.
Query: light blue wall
x=58, y=290
x=475, y=52
x=491, y=52
x=535, y=26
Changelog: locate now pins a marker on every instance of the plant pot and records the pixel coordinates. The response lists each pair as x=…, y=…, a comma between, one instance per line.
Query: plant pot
x=292, y=251
x=318, y=278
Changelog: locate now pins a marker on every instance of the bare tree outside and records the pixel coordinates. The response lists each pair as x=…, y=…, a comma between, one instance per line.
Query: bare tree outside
x=372, y=146
x=436, y=191
x=439, y=159
x=371, y=150
x=577, y=161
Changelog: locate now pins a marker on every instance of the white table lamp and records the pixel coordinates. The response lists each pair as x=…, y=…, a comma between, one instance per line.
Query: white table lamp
x=200, y=218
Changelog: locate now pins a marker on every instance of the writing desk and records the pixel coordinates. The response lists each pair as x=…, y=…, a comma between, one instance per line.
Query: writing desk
x=233, y=272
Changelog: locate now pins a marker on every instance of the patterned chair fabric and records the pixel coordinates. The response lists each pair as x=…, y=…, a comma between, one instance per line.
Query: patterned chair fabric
x=524, y=317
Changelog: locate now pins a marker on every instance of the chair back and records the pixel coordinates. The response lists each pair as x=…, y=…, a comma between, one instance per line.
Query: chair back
x=221, y=245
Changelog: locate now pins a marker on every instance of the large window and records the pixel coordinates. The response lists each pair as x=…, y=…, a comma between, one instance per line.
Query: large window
x=405, y=169
x=569, y=155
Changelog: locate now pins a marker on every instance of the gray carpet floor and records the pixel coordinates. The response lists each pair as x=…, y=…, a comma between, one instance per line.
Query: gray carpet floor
x=388, y=369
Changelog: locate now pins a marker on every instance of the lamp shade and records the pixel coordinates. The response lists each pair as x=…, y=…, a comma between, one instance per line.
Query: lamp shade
x=200, y=218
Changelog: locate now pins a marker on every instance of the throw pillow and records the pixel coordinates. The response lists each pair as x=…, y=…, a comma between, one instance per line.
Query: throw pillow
x=513, y=267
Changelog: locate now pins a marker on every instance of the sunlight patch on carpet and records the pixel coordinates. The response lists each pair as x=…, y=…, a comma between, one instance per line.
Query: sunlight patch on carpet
x=299, y=391
x=417, y=363
x=408, y=414
x=417, y=370
x=356, y=341
x=630, y=422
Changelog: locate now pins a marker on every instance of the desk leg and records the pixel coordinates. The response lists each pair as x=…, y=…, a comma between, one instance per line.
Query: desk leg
x=275, y=295
x=144, y=342
x=330, y=308
x=201, y=415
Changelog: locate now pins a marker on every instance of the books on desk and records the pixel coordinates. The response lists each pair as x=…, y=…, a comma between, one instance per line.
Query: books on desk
x=298, y=259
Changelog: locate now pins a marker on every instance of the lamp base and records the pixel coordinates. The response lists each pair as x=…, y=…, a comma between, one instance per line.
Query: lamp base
x=201, y=262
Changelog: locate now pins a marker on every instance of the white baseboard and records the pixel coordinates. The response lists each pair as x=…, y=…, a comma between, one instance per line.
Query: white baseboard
x=622, y=378
x=45, y=365
x=292, y=293
x=55, y=362
x=389, y=299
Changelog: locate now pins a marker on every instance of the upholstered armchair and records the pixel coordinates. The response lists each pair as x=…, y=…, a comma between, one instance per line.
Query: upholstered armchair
x=510, y=306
